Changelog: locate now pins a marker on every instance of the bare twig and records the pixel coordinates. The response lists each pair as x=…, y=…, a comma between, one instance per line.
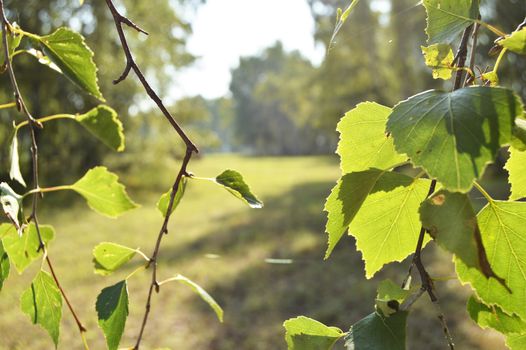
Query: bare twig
x=33, y=125
x=190, y=150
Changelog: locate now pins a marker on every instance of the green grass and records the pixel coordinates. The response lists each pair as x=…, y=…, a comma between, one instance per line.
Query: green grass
x=222, y=244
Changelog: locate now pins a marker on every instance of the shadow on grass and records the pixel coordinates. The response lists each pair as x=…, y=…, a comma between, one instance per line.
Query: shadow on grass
x=260, y=296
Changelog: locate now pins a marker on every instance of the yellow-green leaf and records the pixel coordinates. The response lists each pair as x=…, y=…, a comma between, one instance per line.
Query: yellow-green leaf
x=363, y=142
x=516, y=42
x=103, y=192
x=303, y=333
x=24, y=250
x=103, y=122
x=163, y=202
x=516, y=167
x=42, y=302
x=440, y=58
x=68, y=50
x=446, y=19
x=108, y=257
x=501, y=226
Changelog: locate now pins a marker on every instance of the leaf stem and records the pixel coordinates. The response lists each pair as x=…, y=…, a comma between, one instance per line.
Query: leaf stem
x=8, y=105
x=140, y=268
x=47, y=189
x=483, y=191
x=46, y=119
x=499, y=60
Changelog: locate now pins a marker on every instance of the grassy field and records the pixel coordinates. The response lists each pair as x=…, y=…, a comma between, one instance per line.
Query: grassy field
x=222, y=244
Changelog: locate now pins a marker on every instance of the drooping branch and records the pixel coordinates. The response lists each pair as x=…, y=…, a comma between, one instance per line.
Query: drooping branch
x=427, y=282
x=33, y=125
x=190, y=149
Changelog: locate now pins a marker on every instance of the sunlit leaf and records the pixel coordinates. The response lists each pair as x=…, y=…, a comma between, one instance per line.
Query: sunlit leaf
x=303, y=333
x=103, y=122
x=454, y=135
x=377, y=332
x=450, y=219
x=516, y=42
x=446, y=19
x=24, y=250
x=363, y=141
x=13, y=41
x=42, y=302
x=69, y=52
x=202, y=293
x=4, y=265
x=389, y=297
x=14, y=172
x=233, y=182
x=494, y=317
x=164, y=201
x=11, y=203
x=108, y=257
x=384, y=233
x=516, y=167
x=501, y=226
x=103, y=192
x=112, y=312
x=440, y=58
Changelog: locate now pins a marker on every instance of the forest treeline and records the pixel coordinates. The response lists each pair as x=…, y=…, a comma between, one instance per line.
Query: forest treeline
x=279, y=103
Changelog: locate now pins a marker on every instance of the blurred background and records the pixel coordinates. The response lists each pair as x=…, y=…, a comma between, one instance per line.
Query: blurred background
x=251, y=82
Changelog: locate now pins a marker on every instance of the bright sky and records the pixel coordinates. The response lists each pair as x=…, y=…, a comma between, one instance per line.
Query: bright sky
x=225, y=30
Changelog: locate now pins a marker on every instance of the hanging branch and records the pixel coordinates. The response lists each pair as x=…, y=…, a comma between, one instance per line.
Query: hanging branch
x=427, y=282
x=33, y=126
x=190, y=149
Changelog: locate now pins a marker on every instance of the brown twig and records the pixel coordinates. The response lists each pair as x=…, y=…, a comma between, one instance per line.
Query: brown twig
x=427, y=281
x=33, y=125
x=190, y=149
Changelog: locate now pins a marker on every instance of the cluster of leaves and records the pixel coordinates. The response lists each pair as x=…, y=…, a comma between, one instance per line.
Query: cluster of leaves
x=449, y=137
x=23, y=241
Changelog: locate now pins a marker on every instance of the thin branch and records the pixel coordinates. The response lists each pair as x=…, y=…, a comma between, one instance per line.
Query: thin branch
x=190, y=150
x=33, y=125
x=131, y=65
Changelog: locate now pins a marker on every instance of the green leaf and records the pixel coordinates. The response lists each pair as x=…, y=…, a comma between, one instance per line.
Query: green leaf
x=303, y=333
x=108, y=257
x=490, y=77
x=202, y=293
x=450, y=219
x=104, y=193
x=494, y=317
x=14, y=172
x=43, y=59
x=446, y=19
x=233, y=182
x=385, y=233
x=501, y=226
x=103, y=122
x=454, y=136
x=11, y=204
x=5, y=229
x=516, y=167
x=389, y=297
x=516, y=42
x=112, y=311
x=69, y=52
x=363, y=141
x=518, y=140
x=13, y=41
x=377, y=332
x=516, y=341
x=4, y=265
x=164, y=201
x=24, y=250
x=440, y=58
x=42, y=302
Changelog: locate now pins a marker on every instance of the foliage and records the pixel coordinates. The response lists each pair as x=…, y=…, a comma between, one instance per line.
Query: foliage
x=449, y=137
x=25, y=240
